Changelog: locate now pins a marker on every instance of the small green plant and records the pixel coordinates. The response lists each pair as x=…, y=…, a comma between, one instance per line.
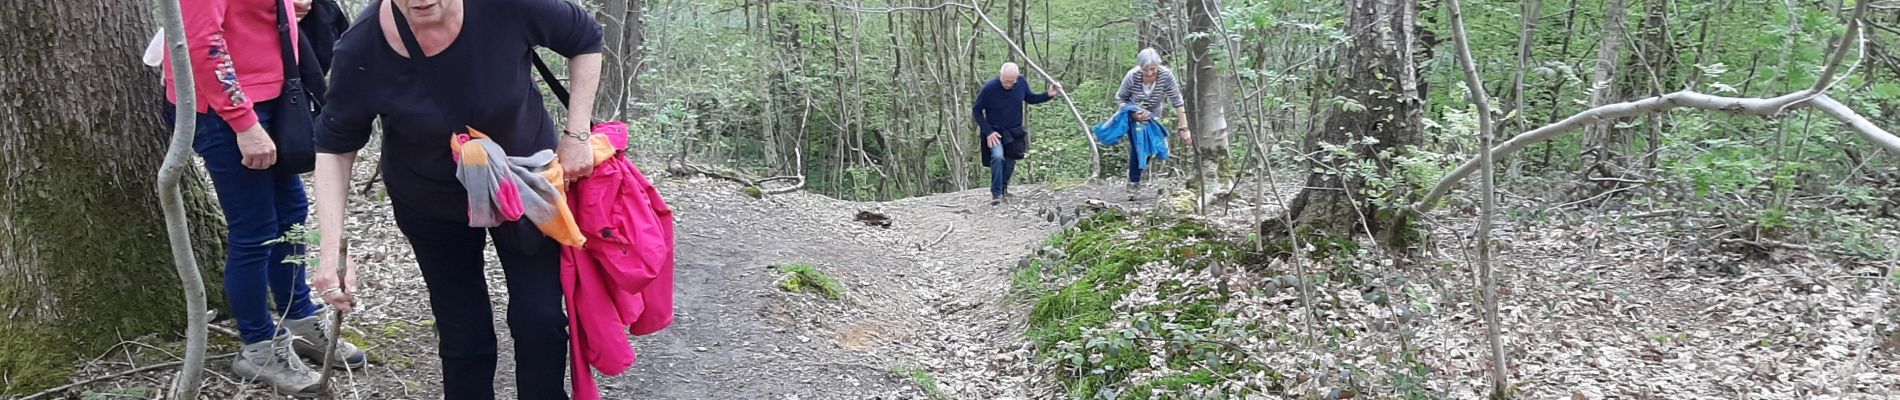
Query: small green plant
x=924, y=381
x=803, y=278
x=754, y=192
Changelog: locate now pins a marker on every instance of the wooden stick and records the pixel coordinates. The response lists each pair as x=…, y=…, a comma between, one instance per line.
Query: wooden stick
x=336, y=320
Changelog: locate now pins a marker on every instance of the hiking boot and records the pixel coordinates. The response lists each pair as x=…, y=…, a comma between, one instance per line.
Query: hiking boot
x=273, y=363
x=1134, y=191
x=996, y=200
x=311, y=335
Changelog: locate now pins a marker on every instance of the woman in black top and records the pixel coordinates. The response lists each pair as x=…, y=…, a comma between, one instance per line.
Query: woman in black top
x=477, y=55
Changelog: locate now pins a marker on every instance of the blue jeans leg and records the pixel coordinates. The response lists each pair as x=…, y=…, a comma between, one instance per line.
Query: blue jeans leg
x=259, y=206
x=1134, y=166
x=290, y=292
x=1000, y=170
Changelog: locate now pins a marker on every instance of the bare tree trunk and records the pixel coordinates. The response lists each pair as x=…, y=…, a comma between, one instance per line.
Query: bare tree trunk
x=1532, y=12
x=625, y=35
x=83, y=252
x=1500, y=386
x=1381, y=80
x=1207, y=107
x=171, y=198
x=1601, y=141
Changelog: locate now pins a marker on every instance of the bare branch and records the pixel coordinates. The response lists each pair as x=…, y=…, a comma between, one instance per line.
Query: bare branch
x=1762, y=107
x=1499, y=385
x=1856, y=123
x=1840, y=50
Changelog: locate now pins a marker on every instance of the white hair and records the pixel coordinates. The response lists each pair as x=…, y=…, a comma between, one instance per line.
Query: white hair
x=1148, y=57
x=1009, y=67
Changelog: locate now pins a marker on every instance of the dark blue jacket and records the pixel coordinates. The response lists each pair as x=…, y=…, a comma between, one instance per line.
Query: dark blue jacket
x=1001, y=110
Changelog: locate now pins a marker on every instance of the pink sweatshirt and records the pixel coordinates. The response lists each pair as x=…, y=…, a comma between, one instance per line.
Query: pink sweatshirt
x=236, y=60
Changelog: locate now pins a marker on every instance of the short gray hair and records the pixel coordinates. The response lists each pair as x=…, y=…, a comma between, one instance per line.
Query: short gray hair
x=1147, y=57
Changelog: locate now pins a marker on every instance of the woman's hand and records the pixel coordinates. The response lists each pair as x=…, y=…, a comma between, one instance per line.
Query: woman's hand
x=576, y=157
x=302, y=7
x=256, y=146
x=341, y=296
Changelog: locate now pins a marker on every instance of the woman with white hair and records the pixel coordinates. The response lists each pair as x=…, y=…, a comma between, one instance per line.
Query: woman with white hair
x=1145, y=87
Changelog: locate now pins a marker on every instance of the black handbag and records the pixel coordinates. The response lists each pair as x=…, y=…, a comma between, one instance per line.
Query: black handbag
x=293, y=124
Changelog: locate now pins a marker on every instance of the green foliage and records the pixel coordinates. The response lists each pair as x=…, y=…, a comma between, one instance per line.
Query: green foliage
x=1070, y=325
x=803, y=278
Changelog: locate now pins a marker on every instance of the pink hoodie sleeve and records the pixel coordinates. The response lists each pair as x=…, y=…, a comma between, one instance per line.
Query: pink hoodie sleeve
x=213, y=71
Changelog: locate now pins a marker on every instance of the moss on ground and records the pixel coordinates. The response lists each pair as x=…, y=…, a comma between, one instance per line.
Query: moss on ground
x=803, y=278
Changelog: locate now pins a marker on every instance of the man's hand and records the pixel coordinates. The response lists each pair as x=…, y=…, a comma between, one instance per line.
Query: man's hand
x=995, y=139
x=1141, y=116
x=1055, y=89
x=576, y=157
x=1187, y=137
x=258, y=150
x=302, y=7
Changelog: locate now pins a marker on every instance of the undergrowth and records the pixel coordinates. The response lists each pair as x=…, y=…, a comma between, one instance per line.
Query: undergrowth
x=1106, y=347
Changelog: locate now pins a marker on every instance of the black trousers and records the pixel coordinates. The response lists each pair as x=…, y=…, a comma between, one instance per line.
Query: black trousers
x=450, y=254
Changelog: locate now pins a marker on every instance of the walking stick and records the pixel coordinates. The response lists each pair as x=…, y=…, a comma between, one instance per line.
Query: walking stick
x=336, y=320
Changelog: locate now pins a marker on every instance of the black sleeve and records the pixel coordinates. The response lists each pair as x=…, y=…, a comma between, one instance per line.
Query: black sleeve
x=344, y=125
x=561, y=26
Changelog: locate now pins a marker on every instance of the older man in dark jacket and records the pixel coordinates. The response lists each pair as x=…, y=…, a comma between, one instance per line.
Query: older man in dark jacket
x=999, y=113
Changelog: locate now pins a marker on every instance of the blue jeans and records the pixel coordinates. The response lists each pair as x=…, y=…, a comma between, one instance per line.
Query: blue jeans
x=1134, y=165
x=1000, y=169
x=259, y=206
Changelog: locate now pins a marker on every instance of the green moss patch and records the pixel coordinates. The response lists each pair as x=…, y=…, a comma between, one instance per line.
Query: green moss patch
x=803, y=278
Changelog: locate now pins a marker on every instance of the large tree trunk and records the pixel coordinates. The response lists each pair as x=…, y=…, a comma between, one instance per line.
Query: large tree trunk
x=1381, y=81
x=1207, y=104
x=625, y=49
x=84, y=260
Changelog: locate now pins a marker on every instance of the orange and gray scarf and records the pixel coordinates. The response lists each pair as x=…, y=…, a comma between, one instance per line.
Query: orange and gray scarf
x=504, y=189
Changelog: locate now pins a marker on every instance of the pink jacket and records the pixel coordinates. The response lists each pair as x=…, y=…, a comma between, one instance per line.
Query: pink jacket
x=621, y=280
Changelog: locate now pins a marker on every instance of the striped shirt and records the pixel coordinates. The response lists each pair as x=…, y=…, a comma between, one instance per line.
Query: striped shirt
x=1147, y=96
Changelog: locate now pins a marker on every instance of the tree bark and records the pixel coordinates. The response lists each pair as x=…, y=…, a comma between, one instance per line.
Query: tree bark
x=1601, y=142
x=1207, y=105
x=83, y=251
x=1380, y=120
x=625, y=48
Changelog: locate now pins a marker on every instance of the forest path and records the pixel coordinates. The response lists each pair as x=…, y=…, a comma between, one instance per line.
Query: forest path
x=929, y=293
x=926, y=311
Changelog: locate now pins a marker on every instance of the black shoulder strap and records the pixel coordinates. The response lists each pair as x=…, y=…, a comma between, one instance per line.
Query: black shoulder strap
x=437, y=88
x=547, y=75
x=293, y=74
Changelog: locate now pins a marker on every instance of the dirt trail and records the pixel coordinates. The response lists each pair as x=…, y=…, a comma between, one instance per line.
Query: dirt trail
x=927, y=293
